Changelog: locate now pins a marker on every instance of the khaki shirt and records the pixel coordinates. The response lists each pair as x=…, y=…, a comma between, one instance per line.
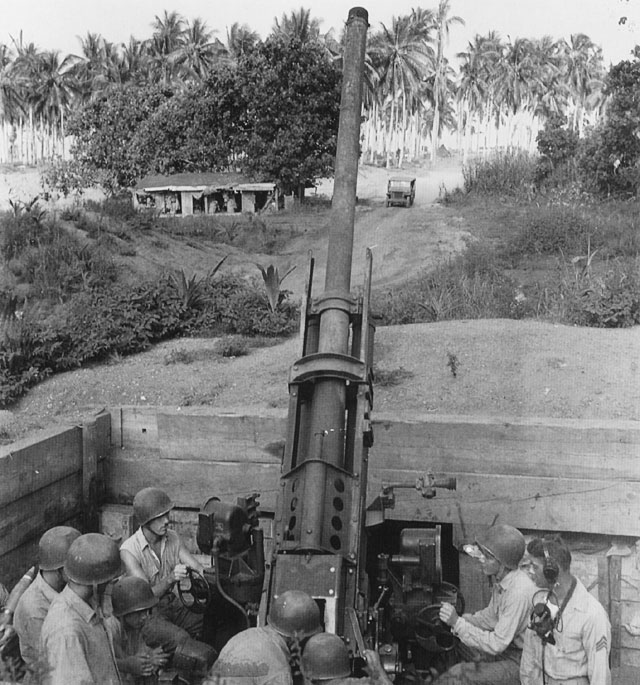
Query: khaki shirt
x=31, y=611
x=77, y=645
x=582, y=645
x=256, y=656
x=155, y=569
x=505, y=619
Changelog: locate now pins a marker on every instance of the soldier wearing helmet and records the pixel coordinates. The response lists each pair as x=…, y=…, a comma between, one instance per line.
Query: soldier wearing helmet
x=492, y=638
x=75, y=641
x=132, y=600
x=325, y=661
x=258, y=656
x=156, y=554
x=34, y=603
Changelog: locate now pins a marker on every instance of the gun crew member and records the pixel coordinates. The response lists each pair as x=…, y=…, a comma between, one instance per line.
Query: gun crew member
x=325, y=661
x=492, y=638
x=132, y=600
x=34, y=604
x=75, y=641
x=570, y=635
x=156, y=554
x=264, y=656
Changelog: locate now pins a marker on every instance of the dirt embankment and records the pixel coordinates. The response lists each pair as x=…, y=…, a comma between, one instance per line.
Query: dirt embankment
x=502, y=368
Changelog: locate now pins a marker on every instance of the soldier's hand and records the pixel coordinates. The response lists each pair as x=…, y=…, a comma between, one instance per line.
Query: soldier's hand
x=141, y=664
x=179, y=572
x=374, y=668
x=448, y=614
x=158, y=657
x=373, y=660
x=6, y=632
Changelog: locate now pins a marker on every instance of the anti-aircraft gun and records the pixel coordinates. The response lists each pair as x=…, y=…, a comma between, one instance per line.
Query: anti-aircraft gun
x=387, y=600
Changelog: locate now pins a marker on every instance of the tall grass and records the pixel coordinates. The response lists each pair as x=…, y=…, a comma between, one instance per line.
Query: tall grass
x=504, y=173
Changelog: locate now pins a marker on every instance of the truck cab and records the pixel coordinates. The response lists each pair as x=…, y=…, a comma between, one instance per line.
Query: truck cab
x=401, y=190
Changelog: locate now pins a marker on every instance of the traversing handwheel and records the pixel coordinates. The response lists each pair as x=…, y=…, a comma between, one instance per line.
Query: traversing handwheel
x=194, y=592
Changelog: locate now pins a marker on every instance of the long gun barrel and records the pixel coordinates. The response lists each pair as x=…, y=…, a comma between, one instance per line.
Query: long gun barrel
x=320, y=514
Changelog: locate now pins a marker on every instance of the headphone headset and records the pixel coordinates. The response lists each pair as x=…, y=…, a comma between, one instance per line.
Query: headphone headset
x=551, y=569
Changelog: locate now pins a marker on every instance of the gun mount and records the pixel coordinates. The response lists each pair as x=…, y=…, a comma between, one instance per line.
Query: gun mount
x=381, y=596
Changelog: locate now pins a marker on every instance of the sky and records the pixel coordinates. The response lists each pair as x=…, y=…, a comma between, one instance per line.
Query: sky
x=58, y=24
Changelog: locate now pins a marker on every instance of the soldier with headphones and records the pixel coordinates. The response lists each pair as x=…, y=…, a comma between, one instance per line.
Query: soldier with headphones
x=570, y=635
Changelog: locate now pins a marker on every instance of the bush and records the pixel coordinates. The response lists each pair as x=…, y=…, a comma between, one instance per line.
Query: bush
x=557, y=146
x=233, y=347
x=550, y=230
x=609, y=300
x=511, y=173
x=471, y=286
x=99, y=323
x=21, y=228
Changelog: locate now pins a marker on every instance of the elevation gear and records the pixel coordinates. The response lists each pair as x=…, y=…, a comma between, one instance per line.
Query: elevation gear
x=504, y=542
x=54, y=545
x=295, y=614
x=149, y=503
x=92, y=559
x=325, y=657
x=132, y=594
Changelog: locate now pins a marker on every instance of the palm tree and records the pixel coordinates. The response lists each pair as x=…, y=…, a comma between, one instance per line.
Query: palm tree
x=97, y=65
x=197, y=52
x=401, y=57
x=298, y=25
x=518, y=80
x=133, y=61
x=168, y=36
x=443, y=23
x=584, y=74
x=240, y=39
x=10, y=101
x=474, y=88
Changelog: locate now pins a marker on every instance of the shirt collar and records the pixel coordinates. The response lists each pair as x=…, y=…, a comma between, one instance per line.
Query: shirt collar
x=145, y=543
x=507, y=581
x=48, y=592
x=84, y=610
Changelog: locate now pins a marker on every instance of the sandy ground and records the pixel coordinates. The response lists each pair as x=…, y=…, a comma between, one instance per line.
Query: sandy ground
x=506, y=368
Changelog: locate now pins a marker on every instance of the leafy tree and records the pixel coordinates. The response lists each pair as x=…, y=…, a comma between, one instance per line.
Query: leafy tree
x=196, y=130
x=105, y=128
x=555, y=142
x=610, y=155
x=292, y=94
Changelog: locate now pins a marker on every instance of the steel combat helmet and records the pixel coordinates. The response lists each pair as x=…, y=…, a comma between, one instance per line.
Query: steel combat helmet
x=54, y=545
x=149, y=503
x=504, y=542
x=92, y=559
x=132, y=594
x=295, y=614
x=325, y=657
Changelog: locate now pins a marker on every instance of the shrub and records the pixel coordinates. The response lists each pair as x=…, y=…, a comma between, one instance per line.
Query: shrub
x=22, y=227
x=233, y=347
x=66, y=177
x=557, y=145
x=550, y=230
x=388, y=377
x=609, y=300
x=511, y=173
x=470, y=286
x=179, y=356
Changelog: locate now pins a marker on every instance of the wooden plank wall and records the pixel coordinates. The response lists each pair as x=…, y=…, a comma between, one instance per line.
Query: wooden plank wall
x=536, y=474
x=552, y=475
x=41, y=486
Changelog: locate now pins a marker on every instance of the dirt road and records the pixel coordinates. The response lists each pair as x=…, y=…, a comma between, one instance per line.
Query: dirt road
x=404, y=241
